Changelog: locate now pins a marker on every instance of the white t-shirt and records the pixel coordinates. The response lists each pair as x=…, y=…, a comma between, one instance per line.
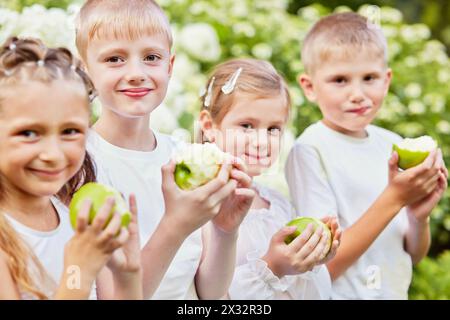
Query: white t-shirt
x=139, y=172
x=252, y=278
x=48, y=246
x=330, y=173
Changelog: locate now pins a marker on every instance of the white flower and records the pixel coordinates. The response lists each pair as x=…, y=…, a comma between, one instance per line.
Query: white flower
x=201, y=41
x=416, y=107
x=443, y=127
x=391, y=15
x=262, y=51
x=413, y=90
x=163, y=120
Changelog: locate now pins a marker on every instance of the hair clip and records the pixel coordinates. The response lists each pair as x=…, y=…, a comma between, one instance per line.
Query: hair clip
x=12, y=46
x=228, y=87
x=208, y=97
x=92, y=96
x=40, y=63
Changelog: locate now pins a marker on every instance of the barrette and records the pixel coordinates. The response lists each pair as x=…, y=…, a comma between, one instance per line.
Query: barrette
x=209, y=93
x=228, y=87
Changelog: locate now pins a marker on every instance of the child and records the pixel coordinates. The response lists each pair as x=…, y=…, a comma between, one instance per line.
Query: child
x=126, y=47
x=44, y=118
x=343, y=166
x=244, y=112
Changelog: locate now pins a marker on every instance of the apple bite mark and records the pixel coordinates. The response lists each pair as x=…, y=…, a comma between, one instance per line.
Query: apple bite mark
x=197, y=164
x=412, y=152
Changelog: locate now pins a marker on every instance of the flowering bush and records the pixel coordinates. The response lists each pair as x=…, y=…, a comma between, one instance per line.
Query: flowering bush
x=207, y=32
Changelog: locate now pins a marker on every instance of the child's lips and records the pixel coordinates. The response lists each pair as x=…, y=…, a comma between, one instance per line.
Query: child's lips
x=135, y=92
x=47, y=173
x=359, y=110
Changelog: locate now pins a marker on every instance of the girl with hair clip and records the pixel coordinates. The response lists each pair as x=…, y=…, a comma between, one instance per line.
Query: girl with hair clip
x=44, y=118
x=245, y=111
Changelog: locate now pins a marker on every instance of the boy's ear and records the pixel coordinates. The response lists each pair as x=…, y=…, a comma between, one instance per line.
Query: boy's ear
x=387, y=80
x=306, y=84
x=206, y=125
x=171, y=62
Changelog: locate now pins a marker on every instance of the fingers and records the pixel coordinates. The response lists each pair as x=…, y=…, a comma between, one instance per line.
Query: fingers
x=133, y=208
x=393, y=165
x=299, y=242
x=217, y=183
x=83, y=216
x=242, y=178
x=103, y=214
x=223, y=193
x=319, y=252
x=311, y=244
x=426, y=165
x=281, y=234
x=167, y=172
x=112, y=229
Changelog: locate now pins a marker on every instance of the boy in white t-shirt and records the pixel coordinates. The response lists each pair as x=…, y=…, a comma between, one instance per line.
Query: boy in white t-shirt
x=126, y=46
x=343, y=166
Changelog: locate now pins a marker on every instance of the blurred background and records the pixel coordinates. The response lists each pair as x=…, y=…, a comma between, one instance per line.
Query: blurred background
x=207, y=32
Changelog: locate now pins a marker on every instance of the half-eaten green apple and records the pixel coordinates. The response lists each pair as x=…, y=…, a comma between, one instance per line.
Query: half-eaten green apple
x=98, y=193
x=197, y=164
x=412, y=152
x=302, y=222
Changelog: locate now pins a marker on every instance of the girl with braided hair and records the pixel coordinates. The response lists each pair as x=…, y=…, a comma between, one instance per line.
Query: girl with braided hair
x=44, y=119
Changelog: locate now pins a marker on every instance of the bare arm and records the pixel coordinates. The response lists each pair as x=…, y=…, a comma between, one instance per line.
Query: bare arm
x=218, y=262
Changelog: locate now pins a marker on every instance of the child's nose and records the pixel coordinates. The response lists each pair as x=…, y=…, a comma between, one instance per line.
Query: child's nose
x=260, y=139
x=135, y=73
x=52, y=150
x=357, y=94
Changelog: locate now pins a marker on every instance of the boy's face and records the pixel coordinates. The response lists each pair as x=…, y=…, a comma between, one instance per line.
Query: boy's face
x=131, y=76
x=349, y=91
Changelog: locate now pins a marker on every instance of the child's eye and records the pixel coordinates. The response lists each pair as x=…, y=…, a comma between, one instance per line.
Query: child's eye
x=70, y=132
x=369, y=78
x=246, y=126
x=340, y=80
x=152, y=58
x=28, y=134
x=114, y=59
x=274, y=130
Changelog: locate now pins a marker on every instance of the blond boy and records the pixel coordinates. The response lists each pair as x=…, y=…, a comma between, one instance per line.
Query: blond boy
x=126, y=47
x=342, y=165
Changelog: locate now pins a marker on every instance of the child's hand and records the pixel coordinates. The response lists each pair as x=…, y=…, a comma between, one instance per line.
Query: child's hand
x=301, y=255
x=416, y=183
x=235, y=207
x=331, y=222
x=421, y=209
x=92, y=245
x=186, y=211
x=128, y=257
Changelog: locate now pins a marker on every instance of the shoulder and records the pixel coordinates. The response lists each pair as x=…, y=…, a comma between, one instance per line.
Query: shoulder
x=309, y=135
x=384, y=134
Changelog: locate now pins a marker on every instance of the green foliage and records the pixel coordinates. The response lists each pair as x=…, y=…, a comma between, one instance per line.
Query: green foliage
x=432, y=279
x=20, y=4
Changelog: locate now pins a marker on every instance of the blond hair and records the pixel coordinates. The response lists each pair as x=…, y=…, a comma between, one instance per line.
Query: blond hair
x=119, y=19
x=258, y=78
x=341, y=34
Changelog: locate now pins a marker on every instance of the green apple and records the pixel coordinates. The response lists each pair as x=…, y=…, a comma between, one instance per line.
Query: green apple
x=98, y=193
x=301, y=223
x=412, y=152
x=197, y=164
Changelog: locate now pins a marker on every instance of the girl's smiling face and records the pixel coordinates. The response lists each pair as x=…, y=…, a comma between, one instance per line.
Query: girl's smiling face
x=251, y=130
x=43, y=129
